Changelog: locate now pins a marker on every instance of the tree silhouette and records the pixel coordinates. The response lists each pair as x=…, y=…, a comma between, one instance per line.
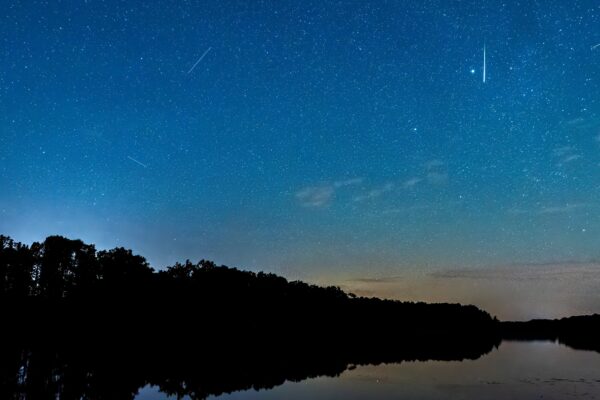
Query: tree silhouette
x=16, y=268
x=64, y=266
x=83, y=324
x=120, y=268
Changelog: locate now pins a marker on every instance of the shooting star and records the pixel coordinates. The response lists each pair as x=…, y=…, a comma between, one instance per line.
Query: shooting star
x=137, y=162
x=484, y=62
x=594, y=47
x=200, y=59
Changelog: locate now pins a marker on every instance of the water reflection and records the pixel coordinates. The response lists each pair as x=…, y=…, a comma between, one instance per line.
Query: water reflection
x=516, y=370
x=510, y=369
x=65, y=370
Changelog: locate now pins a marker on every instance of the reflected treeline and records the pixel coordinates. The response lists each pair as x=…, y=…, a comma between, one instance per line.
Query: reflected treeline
x=87, y=324
x=579, y=332
x=114, y=369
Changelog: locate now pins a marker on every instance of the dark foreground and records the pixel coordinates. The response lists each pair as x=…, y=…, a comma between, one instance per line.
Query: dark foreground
x=115, y=362
x=82, y=324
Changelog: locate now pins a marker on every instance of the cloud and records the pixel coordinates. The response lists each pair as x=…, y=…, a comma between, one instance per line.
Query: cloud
x=434, y=164
x=315, y=196
x=437, y=178
x=561, y=209
x=583, y=124
x=519, y=211
x=415, y=208
x=432, y=208
x=375, y=193
x=411, y=182
x=435, y=172
x=384, y=279
x=576, y=121
x=524, y=271
x=348, y=182
x=561, y=151
x=518, y=291
x=566, y=154
x=571, y=157
x=545, y=210
x=321, y=195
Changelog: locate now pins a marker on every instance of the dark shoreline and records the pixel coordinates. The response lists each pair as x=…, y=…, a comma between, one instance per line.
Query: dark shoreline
x=82, y=324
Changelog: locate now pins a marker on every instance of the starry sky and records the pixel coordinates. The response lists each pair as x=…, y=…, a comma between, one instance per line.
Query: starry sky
x=351, y=142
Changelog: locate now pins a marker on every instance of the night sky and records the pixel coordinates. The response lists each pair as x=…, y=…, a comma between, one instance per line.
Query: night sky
x=353, y=143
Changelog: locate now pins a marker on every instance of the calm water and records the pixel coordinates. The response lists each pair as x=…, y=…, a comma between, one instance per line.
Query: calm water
x=516, y=370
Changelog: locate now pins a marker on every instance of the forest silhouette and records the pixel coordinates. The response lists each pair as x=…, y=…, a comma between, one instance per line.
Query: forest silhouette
x=87, y=324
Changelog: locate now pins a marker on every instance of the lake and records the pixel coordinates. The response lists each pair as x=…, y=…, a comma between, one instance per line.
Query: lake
x=515, y=370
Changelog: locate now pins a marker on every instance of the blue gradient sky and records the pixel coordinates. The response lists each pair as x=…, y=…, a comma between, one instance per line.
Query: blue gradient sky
x=317, y=139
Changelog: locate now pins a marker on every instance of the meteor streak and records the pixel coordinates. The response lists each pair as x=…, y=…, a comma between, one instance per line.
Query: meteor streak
x=137, y=162
x=200, y=59
x=484, y=62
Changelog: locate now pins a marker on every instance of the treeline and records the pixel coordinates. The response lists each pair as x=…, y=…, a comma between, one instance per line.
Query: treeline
x=85, y=324
x=60, y=268
x=63, y=282
x=579, y=332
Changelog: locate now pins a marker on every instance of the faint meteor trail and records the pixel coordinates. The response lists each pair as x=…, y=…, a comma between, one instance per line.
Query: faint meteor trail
x=484, y=62
x=594, y=46
x=137, y=162
x=200, y=59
